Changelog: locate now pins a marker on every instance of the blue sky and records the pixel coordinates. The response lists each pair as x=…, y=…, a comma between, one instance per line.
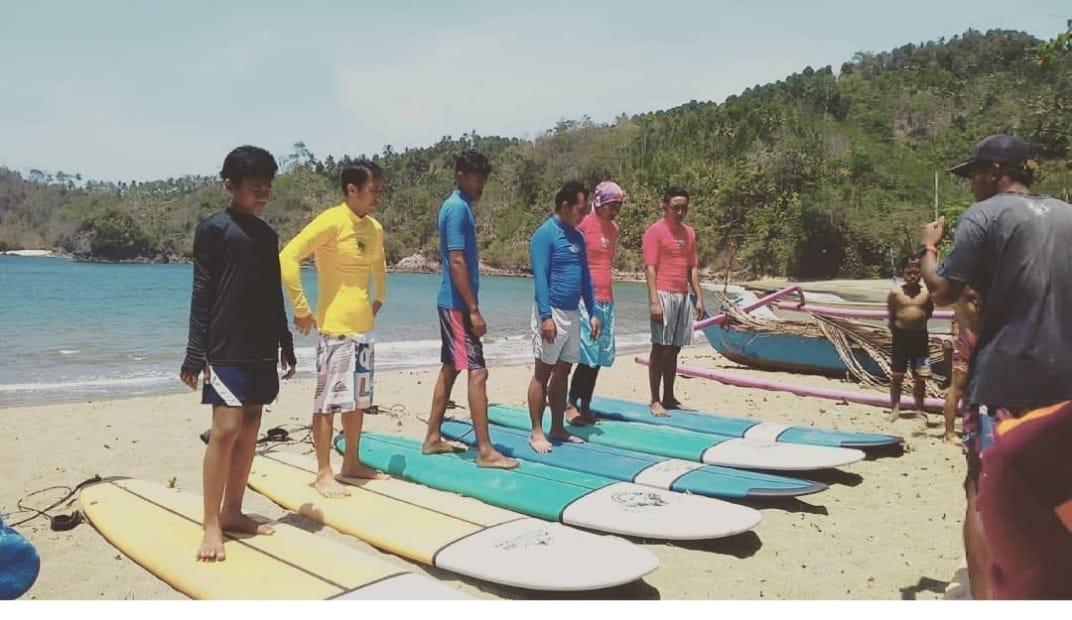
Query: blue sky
x=143, y=90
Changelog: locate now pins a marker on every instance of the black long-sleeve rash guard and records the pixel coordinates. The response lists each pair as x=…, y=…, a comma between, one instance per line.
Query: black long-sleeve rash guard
x=236, y=308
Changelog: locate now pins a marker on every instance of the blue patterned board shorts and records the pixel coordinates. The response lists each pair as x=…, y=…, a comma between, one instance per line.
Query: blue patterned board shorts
x=598, y=352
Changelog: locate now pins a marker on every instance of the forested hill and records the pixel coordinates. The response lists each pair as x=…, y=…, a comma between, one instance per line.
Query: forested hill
x=821, y=174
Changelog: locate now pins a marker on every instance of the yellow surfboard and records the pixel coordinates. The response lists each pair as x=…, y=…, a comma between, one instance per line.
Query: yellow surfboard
x=160, y=529
x=455, y=533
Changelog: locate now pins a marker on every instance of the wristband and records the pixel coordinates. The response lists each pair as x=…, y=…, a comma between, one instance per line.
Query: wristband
x=924, y=248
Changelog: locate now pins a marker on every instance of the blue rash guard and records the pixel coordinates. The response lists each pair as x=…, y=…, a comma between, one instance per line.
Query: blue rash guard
x=560, y=268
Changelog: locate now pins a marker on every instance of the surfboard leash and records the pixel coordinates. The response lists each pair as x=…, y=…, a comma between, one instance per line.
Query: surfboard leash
x=57, y=523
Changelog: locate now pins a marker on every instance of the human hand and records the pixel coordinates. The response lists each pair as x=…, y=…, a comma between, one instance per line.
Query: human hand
x=933, y=232
x=304, y=323
x=548, y=330
x=190, y=378
x=480, y=326
x=288, y=362
x=656, y=312
x=596, y=326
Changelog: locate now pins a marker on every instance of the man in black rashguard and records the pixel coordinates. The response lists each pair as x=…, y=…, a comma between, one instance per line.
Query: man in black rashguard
x=238, y=334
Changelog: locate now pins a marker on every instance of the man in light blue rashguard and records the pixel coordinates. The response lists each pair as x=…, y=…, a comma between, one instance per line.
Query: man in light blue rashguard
x=561, y=278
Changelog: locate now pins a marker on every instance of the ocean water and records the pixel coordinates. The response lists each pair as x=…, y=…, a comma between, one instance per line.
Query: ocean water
x=74, y=331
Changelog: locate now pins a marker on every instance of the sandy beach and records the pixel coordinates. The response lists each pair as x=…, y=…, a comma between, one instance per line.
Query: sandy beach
x=887, y=528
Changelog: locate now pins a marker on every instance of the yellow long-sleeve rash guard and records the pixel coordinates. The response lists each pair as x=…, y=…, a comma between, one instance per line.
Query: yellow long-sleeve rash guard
x=348, y=250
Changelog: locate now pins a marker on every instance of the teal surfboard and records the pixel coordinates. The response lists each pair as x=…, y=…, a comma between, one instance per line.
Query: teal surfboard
x=646, y=469
x=692, y=446
x=555, y=494
x=710, y=423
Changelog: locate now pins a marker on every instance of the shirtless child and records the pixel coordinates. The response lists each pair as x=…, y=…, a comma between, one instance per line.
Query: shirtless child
x=910, y=307
x=966, y=322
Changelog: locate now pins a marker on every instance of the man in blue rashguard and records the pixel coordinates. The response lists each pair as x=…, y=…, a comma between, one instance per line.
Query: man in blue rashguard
x=560, y=272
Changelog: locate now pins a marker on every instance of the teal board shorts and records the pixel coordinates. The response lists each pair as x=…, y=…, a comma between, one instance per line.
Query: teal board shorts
x=599, y=352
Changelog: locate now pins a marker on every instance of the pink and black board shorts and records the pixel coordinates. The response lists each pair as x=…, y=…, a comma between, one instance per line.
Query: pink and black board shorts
x=462, y=348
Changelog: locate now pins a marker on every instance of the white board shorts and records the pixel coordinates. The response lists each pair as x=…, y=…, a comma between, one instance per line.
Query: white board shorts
x=344, y=371
x=567, y=344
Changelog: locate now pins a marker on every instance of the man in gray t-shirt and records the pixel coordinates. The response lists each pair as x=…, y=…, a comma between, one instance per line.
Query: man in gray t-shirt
x=1014, y=248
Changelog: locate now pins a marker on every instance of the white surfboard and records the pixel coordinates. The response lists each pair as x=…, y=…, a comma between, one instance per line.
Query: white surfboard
x=456, y=533
x=637, y=510
x=758, y=454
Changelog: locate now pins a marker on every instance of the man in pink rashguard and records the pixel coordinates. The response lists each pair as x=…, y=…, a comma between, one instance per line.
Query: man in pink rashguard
x=670, y=267
x=600, y=232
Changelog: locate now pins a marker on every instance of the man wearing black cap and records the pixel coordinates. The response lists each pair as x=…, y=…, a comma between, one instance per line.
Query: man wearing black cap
x=1013, y=247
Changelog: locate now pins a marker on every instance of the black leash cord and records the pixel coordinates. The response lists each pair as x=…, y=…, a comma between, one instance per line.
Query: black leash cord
x=58, y=523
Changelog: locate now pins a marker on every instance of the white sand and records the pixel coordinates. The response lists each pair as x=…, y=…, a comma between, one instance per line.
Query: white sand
x=886, y=529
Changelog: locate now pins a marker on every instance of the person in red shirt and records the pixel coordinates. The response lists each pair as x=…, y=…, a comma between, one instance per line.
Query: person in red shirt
x=600, y=232
x=670, y=267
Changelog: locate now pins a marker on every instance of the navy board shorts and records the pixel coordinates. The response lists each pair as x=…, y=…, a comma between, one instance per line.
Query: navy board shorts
x=238, y=384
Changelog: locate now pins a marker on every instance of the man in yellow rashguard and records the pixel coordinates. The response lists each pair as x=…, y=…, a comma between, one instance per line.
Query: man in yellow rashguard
x=348, y=245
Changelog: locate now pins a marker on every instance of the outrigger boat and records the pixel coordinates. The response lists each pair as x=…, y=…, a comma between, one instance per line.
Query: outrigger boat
x=794, y=346
x=775, y=348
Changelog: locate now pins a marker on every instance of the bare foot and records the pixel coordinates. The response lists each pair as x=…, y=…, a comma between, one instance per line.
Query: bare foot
x=360, y=471
x=574, y=416
x=672, y=403
x=895, y=414
x=658, y=410
x=494, y=459
x=441, y=446
x=326, y=485
x=212, y=546
x=564, y=437
x=244, y=525
x=538, y=441
x=951, y=438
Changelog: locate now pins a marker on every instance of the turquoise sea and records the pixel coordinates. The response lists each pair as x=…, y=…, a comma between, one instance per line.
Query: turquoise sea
x=74, y=331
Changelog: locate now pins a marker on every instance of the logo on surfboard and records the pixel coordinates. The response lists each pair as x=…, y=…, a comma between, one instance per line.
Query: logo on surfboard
x=539, y=538
x=639, y=499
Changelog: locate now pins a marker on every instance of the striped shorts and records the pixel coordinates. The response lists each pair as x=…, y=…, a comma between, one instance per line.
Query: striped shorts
x=676, y=328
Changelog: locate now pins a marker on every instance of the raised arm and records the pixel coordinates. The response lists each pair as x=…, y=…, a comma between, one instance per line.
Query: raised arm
x=964, y=261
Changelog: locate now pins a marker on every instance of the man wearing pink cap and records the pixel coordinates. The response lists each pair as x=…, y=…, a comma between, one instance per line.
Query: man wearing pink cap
x=600, y=232
x=671, y=269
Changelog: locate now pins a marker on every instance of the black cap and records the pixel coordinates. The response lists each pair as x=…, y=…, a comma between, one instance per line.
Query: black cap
x=998, y=149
